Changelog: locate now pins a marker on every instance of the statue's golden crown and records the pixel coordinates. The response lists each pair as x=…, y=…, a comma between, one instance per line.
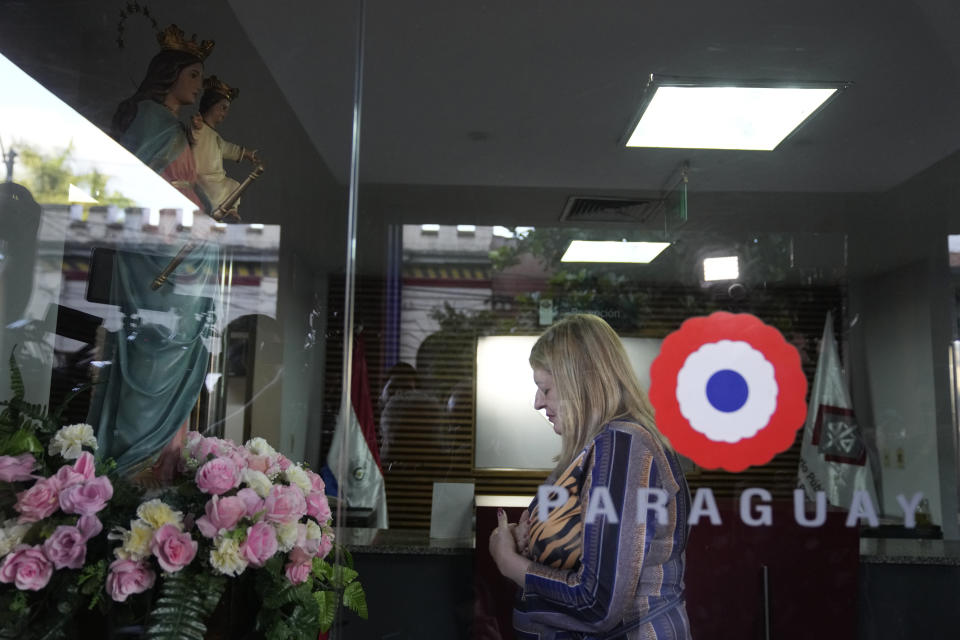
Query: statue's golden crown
x=215, y=84
x=172, y=38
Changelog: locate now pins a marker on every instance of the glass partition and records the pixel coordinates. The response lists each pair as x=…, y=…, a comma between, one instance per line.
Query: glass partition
x=336, y=234
x=499, y=141
x=173, y=235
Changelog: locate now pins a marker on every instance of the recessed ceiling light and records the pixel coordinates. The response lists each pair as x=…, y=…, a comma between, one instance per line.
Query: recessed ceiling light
x=722, y=268
x=612, y=251
x=687, y=114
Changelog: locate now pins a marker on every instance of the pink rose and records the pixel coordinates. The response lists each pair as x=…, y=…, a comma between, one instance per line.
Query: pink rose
x=27, y=568
x=89, y=526
x=201, y=448
x=260, y=545
x=174, y=549
x=86, y=466
x=326, y=543
x=191, y=440
x=16, y=468
x=216, y=447
x=66, y=548
x=128, y=577
x=222, y=513
x=258, y=463
x=300, y=565
x=318, y=507
x=239, y=459
x=284, y=504
x=39, y=501
x=297, y=572
x=218, y=476
x=283, y=461
x=88, y=497
x=66, y=477
x=316, y=482
x=252, y=500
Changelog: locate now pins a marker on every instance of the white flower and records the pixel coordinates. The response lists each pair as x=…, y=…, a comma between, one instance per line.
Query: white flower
x=314, y=532
x=136, y=542
x=70, y=441
x=226, y=558
x=287, y=534
x=258, y=481
x=157, y=513
x=297, y=476
x=260, y=447
x=11, y=535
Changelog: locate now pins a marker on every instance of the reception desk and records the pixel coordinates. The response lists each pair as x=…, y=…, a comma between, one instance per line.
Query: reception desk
x=416, y=587
x=742, y=582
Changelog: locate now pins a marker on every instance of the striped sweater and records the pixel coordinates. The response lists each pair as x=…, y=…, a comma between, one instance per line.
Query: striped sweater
x=617, y=577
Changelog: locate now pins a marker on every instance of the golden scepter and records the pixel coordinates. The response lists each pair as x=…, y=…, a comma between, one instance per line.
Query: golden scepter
x=227, y=207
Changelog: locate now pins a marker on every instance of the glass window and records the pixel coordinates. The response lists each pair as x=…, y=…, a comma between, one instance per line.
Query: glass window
x=338, y=232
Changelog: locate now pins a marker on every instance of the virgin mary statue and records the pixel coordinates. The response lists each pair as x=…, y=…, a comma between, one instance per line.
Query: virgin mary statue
x=156, y=362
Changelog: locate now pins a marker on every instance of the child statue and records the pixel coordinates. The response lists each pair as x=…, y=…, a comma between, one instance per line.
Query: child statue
x=211, y=149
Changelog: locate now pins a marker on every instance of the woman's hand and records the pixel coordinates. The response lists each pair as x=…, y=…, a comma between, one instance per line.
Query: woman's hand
x=521, y=532
x=503, y=549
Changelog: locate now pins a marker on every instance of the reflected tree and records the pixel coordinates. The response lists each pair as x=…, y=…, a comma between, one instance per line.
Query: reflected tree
x=48, y=176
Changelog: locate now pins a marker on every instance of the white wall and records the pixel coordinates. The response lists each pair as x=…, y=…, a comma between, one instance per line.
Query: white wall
x=895, y=321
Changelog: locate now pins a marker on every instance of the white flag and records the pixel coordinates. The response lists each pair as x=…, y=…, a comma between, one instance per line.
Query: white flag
x=833, y=455
x=360, y=481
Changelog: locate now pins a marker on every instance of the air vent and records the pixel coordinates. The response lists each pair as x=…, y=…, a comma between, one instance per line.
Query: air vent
x=603, y=209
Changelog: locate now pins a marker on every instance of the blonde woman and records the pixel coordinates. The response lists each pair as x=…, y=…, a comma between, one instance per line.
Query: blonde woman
x=607, y=560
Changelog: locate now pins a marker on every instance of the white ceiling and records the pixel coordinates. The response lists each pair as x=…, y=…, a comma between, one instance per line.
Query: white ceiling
x=495, y=112
x=537, y=93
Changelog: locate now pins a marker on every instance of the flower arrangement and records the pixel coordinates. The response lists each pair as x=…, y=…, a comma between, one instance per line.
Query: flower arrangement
x=240, y=529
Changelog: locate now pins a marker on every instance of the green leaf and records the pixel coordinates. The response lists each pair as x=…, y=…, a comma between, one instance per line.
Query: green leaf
x=91, y=582
x=19, y=603
x=16, y=378
x=322, y=569
x=288, y=594
x=355, y=599
x=23, y=441
x=345, y=553
x=343, y=576
x=55, y=627
x=279, y=631
x=288, y=611
x=186, y=600
x=327, y=601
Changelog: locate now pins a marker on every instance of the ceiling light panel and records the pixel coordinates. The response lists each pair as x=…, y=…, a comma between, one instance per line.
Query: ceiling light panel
x=721, y=268
x=724, y=117
x=612, y=251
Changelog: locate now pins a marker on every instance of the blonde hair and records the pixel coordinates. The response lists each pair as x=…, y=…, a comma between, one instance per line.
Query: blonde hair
x=593, y=378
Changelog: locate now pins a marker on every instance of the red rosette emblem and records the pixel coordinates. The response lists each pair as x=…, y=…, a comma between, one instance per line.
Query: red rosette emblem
x=729, y=391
